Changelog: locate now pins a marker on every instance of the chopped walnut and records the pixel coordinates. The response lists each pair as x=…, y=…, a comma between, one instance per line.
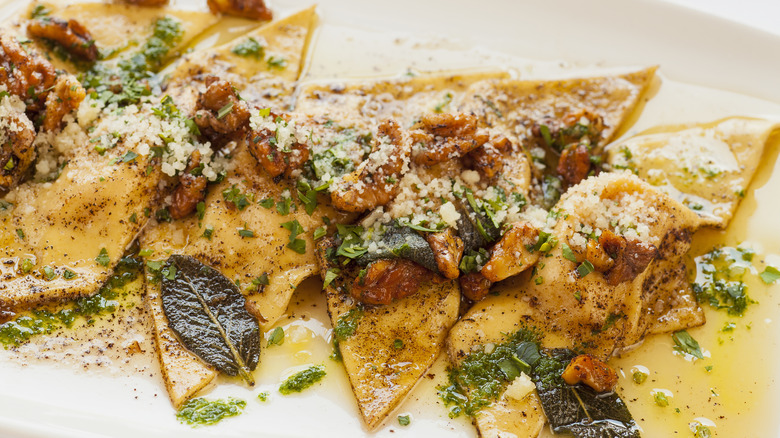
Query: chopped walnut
x=66, y=97
x=574, y=164
x=474, y=286
x=254, y=9
x=596, y=255
x=441, y=137
x=70, y=35
x=275, y=161
x=25, y=75
x=631, y=261
x=447, y=250
x=488, y=160
x=17, y=152
x=630, y=257
x=220, y=99
x=387, y=280
x=152, y=3
x=510, y=255
x=590, y=371
x=190, y=191
x=371, y=185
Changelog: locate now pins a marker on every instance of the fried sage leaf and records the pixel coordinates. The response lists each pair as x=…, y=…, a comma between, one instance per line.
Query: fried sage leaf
x=404, y=243
x=578, y=409
x=206, y=311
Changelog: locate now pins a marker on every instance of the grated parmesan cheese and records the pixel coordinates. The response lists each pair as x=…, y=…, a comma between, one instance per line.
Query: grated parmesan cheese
x=12, y=116
x=627, y=213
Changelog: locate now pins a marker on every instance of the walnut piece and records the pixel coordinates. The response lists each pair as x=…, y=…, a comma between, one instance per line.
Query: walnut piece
x=375, y=181
x=387, y=280
x=590, y=371
x=70, y=35
x=447, y=251
x=64, y=98
x=190, y=191
x=474, y=286
x=441, y=137
x=254, y=9
x=26, y=75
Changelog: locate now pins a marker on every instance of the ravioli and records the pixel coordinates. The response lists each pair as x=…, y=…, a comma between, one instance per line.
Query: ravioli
x=118, y=28
x=608, y=309
x=365, y=103
x=339, y=116
x=261, y=249
x=80, y=223
x=264, y=64
x=387, y=349
x=706, y=167
x=581, y=308
x=487, y=322
x=516, y=106
x=63, y=233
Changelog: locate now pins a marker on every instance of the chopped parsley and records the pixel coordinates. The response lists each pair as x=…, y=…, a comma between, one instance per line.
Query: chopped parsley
x=102, y=258
x=639, y=377
x=276, y=62
x=234, y=196
x=308, y=196
x=295, y=229
x=585, y=268
x=568, y=254
x=404, y=420
x=352, y=245
x=49, y=273
x=245, y=232
x=444, y=103
x=26, y=266
x=320, y=232
x=128, y=157
x=283, y=206
x=660, y=399
x=330, y=275
x=267, y=203
x=259, y=281
x=39, y=11
x=702, y=431
x=770, y=275
x=473, y=261
x=276, y=337
x=5, y=206
x=684, y=343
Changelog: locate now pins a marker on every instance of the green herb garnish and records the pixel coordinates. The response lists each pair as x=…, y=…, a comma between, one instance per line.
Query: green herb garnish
x=302, y=380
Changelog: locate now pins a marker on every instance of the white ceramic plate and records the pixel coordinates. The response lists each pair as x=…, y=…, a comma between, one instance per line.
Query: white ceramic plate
x=358, y=38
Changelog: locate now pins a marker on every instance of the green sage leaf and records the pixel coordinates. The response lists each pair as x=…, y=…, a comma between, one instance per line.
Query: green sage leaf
x=207, y=312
